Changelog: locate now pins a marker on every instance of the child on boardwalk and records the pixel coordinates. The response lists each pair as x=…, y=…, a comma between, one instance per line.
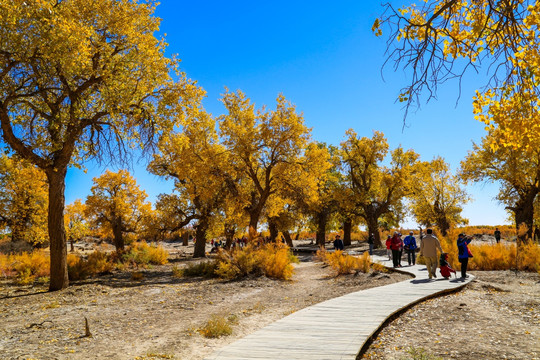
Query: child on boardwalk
x=445, y=267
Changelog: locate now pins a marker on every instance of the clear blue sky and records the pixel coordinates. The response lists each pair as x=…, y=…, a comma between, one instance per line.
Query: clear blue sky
x=324, y=58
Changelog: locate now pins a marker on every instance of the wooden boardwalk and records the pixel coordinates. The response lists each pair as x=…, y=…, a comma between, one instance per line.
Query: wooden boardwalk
x=337, y=328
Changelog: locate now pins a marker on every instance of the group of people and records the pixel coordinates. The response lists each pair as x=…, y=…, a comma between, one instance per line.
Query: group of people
x=395, y=246
x=429, y=246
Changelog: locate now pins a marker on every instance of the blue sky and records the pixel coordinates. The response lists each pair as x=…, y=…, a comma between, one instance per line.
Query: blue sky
x=324, y=58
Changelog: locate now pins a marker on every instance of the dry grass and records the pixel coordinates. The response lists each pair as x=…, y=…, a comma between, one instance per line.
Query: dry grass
x=343, y=263
x=26, y=267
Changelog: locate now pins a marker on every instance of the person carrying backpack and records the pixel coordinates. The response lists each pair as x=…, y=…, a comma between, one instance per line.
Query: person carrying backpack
x=464, y=253
x=409, y=244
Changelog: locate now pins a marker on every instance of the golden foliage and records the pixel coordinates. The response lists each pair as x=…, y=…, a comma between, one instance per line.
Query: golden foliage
x=142, y=254
x=25, y=267
x=23, y=200
x=344, y=263
x=96, y=263
x=216, y=327
x=272, y=260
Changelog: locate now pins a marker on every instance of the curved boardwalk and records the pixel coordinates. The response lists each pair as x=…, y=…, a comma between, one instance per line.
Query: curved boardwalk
x=337, y=328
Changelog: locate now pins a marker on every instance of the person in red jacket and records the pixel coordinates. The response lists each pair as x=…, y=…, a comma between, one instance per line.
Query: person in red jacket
x=395, y=246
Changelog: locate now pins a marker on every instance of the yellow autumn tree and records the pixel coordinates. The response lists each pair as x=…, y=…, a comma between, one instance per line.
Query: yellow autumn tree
x=264, y=149
x=437, y=196
x=117, y=204
x=516, y=170
x=23, y=200
x=83, y=79
x=376, y=191
x=198, y=163
x=438, y=40
x=75, y=222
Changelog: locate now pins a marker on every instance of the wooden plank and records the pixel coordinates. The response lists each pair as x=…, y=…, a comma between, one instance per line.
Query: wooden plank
x=336, y=328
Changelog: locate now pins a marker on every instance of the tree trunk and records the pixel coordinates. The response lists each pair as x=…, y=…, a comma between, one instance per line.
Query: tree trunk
x=347, y=227
x=322, y=220
x=229, y=236
x=524, y=216
x=253, y=223
x=373, y=228
x=200, y=239
x=118, y=235
x=185, y=238
x=57, y=232
x=288, y=238
x=273, y=228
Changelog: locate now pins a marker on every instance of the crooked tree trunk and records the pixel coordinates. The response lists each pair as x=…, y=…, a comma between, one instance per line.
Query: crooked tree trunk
x=118, y=235
x=288, y=238
x=524, y=216
x=322, y=220
x=253, y=223
x=373, y=228
x=57, y=232
x=347, y=227
x=229, y=236
x=273, y=228
x=200, y=239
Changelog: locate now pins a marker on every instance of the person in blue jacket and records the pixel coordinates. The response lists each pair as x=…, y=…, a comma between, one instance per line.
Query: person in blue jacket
x=464, y=253
x=409, y=243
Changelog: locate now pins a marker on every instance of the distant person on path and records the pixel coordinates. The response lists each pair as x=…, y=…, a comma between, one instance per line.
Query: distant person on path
x=428, y=249
x=464, y=253
x=445, y=267
x=409, y=243
x=395, y=245
x=389, y=247
x=338, y=243
x=497, y=234
x=371, y=241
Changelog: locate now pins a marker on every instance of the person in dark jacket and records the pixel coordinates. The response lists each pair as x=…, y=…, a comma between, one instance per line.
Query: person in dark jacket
x=464, y=253
x=338, y=243
x=371, y=241
x=409, y=243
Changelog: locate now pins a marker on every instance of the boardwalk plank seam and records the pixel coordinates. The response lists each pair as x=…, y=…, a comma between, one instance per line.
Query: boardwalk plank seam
x=338, y=328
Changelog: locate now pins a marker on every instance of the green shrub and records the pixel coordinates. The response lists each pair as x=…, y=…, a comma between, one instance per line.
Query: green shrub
x=204, y=268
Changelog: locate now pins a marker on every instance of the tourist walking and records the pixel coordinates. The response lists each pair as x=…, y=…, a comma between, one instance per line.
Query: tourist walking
x=409, y=243
x=464, y=253
x=428, y=249
x=395, y=245
x=497, y=234
x=388, y=247
x=371, y=241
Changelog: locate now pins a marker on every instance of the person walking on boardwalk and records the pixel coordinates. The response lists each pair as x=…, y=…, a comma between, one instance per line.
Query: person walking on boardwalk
x=389, y=247
x=409, y=243
x=497, y=235
x=464, y=253
x=395, y=244
x=371, y=241
x=428, y=249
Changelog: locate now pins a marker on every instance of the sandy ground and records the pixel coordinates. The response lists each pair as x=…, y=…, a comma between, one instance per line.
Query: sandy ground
x=496, y=317
x=157, y=317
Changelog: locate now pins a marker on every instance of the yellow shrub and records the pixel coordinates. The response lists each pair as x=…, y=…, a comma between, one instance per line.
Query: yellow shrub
x=97, y=263
x=276, y=261
x=26, y=267
x=343, y=263
x=488, y=256
x=216, y=327
x=141, y=253
x=273, y=260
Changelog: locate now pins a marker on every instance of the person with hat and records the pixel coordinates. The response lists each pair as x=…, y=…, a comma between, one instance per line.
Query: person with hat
x=464, y=253
x=409, y=243
x=428, y=249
